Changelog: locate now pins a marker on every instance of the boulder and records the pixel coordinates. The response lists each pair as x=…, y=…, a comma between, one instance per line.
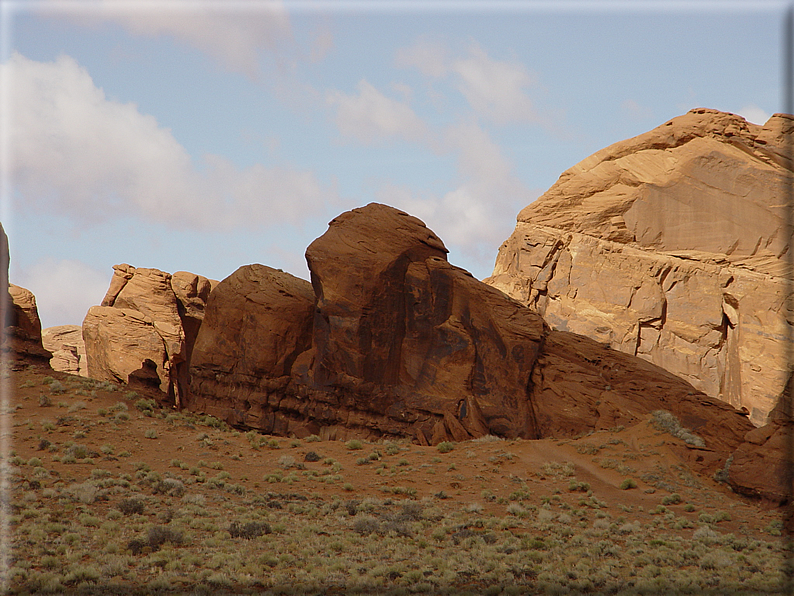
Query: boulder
x=145, y=328
x=669, y=246
x=389, y=339
x=19, y=316
x=392, y=340
x=121, y=341
x=67, y=347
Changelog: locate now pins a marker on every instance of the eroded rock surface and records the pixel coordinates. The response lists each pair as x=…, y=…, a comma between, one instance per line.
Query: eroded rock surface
x=145, y=328
x=392, y=340
x=19, y=316
x=669, y=246
x=67, y=347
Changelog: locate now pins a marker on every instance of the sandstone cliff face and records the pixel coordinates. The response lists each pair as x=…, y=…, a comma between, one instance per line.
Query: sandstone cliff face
x=19, y=316
x=669, y=246
x=145, y=328
x=67, y=347
x=391, y=340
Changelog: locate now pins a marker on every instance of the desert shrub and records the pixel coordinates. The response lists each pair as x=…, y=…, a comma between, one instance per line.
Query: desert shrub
x=285, y=462
x=44, y=401
x=57, y=388
x=77, y=451
x=354, y=444
x=628, y=483
x=723, y=473
x=131, y=506
x=159, y=535
x=445, y=447
x=249, y=530
x=155, y=538
x=673, y=499
x=576, y=486
x=145, y=405
x=150, y=433
x=84, y=492
x=170, y=487
x=665, y=421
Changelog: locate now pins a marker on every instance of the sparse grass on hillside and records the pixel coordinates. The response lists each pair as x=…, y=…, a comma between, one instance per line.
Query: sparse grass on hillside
x=152, y=501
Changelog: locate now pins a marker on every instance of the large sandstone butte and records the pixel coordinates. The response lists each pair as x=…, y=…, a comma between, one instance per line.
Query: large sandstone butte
x=669, y=246
x=389, y=339
x=145, y=328
x=19, y=316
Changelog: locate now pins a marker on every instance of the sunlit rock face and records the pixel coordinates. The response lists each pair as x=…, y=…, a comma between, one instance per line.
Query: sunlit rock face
x=670, y=246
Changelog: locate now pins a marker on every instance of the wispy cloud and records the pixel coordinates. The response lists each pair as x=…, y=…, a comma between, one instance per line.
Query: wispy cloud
x=496, y=90
x=428, y=56
x=76, y=152
x=64, y=289
x=371, y=116
x=232, y=33
x=634, y=111
x=478, y=213
x=752, y=113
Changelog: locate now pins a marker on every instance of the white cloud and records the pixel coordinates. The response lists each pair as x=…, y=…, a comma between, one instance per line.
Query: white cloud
x=428, y=57
x=64, y=290
x=322, y=44
x=370, y=116
x=635, y=111
x=495, y=90
x=752, y=113
x=479, y=213
x=233, y=33
x=76, y=152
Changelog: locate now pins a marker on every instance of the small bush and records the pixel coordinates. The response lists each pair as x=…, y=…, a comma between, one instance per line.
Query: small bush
x=445, y=447
x=145, y=405
x=665, y=421
x=57, y=388
x=131, y=506
x=673, y=499
x=170, y=487
x=249, y=530
x=44, y=401
x=355, y=444
x=628, y=483
x=150, y=433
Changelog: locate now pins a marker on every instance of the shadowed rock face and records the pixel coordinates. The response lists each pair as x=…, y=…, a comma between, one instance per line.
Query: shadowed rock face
x=669, y=246
x=391, y=340
x=19, y=316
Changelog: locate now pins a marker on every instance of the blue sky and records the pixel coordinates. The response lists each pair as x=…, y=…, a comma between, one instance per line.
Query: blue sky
x=202, y=136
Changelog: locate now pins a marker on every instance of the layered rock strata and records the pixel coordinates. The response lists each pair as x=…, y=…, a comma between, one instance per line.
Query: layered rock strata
x=67, y=347
x=670, y=246
x=145, y=328
x=389, y=339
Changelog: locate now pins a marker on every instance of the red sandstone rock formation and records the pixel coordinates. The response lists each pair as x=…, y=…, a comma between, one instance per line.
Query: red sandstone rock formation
x=19, y=317
x=392, y=340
